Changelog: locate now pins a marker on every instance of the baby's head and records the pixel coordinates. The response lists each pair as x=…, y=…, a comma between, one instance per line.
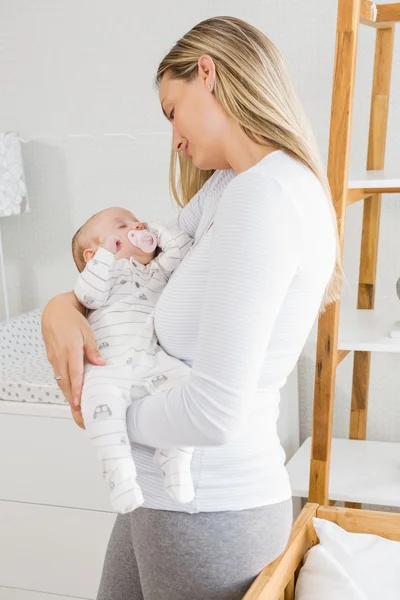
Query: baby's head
x=109, y=222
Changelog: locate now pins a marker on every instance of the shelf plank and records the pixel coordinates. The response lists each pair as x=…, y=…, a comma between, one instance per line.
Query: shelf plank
x=361, y=471
x=367, y=330
x=375, y=180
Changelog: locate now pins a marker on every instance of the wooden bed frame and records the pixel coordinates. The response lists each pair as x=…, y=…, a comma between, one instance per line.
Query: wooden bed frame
x=277, y=581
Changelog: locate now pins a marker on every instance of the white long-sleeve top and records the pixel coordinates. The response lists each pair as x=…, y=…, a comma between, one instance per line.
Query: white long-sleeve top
x=238, y=310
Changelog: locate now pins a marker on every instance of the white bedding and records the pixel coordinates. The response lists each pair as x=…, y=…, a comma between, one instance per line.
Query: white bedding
x=349, y=566
x=26, y=375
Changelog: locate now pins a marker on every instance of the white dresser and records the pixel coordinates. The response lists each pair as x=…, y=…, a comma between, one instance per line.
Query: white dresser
x=54, y=511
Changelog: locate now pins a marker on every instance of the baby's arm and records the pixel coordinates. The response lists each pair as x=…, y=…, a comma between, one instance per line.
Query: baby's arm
x=174, y=244
x=94, y=284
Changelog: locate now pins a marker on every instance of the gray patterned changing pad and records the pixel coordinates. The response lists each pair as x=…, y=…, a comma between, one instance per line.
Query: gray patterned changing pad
x=25, y=373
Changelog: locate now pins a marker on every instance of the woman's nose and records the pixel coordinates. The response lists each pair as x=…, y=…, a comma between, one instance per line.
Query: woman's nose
x=177, y=142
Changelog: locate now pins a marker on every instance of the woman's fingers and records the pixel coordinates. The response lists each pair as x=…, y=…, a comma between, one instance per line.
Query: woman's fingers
x=75, y=368
x=89, y=347
x=91, y=350
x=77, y=416
x=61, y=374
x=64, y=383
x=64, y=329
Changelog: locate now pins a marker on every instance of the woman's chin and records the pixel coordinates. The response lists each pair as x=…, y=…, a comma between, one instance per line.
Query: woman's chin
x=209, y=164
x=203, y=165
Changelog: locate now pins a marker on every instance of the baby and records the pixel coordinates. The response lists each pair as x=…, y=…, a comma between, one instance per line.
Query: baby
x=122, y=274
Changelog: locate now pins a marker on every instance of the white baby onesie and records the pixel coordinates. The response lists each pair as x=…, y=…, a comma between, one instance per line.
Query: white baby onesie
x=121, y=295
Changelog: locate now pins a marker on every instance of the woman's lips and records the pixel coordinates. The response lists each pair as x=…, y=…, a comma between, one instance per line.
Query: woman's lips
x=187, y=149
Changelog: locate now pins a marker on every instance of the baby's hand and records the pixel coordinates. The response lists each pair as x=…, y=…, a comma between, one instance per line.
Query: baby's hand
x=140, y=226
x=112, y=243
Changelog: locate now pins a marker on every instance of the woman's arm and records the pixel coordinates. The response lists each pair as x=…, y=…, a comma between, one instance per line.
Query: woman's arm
x=67, y=337
x=65, y=300
x=256, y=250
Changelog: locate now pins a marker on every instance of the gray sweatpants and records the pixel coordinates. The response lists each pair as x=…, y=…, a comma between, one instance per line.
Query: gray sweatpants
x=166, y=555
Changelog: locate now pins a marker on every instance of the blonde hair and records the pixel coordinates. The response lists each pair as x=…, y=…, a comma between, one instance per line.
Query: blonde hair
x=253, y=86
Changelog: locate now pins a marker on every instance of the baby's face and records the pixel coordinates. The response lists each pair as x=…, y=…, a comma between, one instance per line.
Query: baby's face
x=117, y=222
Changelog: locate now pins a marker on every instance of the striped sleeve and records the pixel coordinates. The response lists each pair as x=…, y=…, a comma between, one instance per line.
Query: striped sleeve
x=94, y=283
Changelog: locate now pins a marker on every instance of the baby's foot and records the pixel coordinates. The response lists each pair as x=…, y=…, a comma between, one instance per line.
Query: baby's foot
x=175, y=466
x=126, y=494
x=179, y=487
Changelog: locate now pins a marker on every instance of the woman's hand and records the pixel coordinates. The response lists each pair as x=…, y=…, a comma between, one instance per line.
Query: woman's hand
x=68, y=337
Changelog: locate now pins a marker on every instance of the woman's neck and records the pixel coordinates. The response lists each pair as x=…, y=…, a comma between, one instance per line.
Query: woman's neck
x=242, y=153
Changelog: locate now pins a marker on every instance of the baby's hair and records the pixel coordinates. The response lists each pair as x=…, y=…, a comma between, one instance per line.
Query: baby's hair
x=80, y=243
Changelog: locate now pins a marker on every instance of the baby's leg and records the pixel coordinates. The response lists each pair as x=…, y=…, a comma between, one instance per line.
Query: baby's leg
x=105, y=400
x=175, y=466
x=167, y=372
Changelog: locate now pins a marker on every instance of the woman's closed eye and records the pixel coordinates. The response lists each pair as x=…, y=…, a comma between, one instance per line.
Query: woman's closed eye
x=171, y=116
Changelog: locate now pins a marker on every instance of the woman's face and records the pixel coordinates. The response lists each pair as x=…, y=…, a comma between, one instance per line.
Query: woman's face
x=199, y=123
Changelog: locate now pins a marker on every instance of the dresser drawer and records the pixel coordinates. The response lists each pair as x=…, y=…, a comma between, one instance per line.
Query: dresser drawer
x=52, y=550
x=49, y=459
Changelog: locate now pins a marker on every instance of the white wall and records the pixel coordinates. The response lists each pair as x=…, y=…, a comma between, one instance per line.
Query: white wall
x=88, y=66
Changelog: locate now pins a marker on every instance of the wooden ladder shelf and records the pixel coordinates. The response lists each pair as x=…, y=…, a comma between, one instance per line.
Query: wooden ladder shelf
x=363, y=333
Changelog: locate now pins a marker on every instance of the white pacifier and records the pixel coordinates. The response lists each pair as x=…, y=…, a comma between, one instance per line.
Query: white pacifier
x=143, y=239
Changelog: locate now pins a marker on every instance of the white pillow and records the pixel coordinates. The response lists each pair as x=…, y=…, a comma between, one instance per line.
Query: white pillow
x=349, y=566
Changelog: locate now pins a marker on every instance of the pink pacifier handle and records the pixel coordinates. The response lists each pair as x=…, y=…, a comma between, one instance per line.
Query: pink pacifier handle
x=143, y=239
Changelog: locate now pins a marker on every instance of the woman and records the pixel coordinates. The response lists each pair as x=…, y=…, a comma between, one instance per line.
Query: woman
x=239, y=309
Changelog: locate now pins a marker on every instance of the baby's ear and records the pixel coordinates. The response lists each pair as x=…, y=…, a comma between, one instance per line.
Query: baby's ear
x=88, y=254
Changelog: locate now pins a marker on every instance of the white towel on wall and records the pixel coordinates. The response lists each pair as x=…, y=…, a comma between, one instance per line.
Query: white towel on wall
x=13, y=195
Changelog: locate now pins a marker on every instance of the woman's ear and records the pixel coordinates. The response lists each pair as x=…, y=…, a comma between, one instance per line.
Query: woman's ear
x=207, y=71
x=88, y=254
